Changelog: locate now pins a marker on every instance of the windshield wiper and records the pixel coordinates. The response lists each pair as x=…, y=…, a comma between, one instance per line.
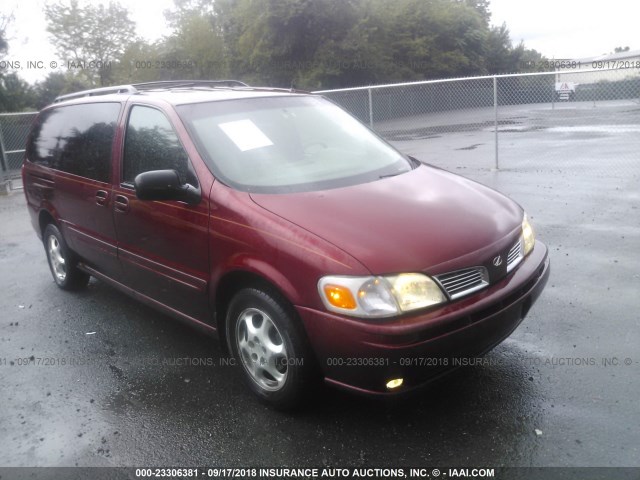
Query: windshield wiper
x=390, y=175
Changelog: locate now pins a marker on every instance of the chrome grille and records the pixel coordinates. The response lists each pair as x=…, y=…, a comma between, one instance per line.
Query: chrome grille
x=515, y=256
x=462, y=282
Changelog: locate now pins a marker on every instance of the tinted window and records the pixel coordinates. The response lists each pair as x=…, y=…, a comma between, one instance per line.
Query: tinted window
x=152, y=144
x=76, y=139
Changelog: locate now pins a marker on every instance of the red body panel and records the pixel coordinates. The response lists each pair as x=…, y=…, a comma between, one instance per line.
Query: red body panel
x=423, y=220
x=174, y=256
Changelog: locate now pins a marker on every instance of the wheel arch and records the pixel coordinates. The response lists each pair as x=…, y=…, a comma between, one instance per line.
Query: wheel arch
x=235, y=280
x=45, y=218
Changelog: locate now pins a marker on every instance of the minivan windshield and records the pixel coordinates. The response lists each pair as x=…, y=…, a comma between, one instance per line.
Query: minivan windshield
x=289, y=143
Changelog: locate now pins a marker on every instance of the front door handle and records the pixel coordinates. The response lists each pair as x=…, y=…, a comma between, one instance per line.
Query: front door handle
x=121, y=204
x=102, y=197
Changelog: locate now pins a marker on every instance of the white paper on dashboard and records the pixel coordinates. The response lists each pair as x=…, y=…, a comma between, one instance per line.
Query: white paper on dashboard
x=245, y=134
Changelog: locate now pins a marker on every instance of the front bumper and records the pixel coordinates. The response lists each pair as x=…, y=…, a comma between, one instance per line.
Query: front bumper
x=364, y=355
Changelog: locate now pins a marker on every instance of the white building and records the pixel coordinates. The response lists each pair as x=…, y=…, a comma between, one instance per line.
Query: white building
x=610, y=67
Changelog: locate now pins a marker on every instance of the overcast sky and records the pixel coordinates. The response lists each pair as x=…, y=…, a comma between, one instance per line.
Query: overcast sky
x=556, y=28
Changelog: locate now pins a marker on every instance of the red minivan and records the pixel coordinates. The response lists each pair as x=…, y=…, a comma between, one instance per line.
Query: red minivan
x=276, y=220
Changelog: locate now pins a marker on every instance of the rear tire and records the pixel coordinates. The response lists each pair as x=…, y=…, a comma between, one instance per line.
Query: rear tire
x=267, y=341
x=62, y=261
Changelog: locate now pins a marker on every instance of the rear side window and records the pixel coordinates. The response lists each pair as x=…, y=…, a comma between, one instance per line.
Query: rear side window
x=152, y=144
x=76, y=139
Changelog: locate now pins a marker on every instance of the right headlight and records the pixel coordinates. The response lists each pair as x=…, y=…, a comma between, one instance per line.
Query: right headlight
x=378, y=297
x=528, y=235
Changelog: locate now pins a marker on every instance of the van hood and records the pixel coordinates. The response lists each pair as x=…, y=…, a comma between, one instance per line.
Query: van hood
x=425, y=220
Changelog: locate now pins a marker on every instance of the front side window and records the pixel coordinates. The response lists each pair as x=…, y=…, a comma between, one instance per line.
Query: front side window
x=288, y=143
x=76, y=139
x=152, y=144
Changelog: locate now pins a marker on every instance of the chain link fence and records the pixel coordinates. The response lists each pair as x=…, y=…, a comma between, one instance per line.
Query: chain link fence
x=14, y=128
x=573, y=119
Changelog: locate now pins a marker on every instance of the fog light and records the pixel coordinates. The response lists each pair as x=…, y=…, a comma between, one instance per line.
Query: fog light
x=395, y=383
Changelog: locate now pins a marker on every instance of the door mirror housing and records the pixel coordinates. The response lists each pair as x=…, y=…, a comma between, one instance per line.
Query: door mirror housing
x=165, y=185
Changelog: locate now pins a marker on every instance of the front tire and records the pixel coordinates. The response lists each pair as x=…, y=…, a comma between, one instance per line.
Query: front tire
x=266, y=339
x=62, y=262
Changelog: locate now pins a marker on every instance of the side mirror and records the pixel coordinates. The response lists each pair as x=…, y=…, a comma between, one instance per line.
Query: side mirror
x=165, y=185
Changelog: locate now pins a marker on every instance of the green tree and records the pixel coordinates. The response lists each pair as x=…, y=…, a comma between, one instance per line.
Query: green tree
x=196, y=49
x=362, y=56
x=5, y=20
x=318, y=44
x=530, y=60
x=55, y=84
x=138, y=63
x=184, y=9
x=16, y=95
x=503, y=57
x=500, y=56
x=483, y=7
x=280, y=46
x=90, y=33
x=435, y=39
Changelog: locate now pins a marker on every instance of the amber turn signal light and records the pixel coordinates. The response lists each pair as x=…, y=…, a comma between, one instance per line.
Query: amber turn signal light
x=340, y=297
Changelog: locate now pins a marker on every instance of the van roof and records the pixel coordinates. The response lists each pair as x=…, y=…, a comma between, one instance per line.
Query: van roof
x=182, y=91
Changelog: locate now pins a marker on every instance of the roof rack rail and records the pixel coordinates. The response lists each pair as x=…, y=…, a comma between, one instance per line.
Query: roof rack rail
x=97, y=91
x=137, y=87
x=189, y=83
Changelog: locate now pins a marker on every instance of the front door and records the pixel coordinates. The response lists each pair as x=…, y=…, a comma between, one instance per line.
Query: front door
x=162, y=245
